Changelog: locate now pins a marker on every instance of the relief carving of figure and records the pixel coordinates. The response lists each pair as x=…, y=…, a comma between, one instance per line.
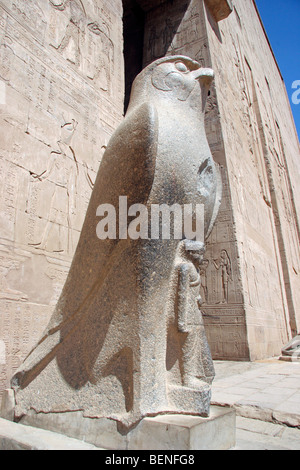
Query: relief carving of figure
x=105, y=60
x=224, y=265
x=71, y=39
x=62, y=169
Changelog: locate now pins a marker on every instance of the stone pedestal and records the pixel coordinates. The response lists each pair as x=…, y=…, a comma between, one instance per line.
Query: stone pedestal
x=163, y=432
x=179, y=432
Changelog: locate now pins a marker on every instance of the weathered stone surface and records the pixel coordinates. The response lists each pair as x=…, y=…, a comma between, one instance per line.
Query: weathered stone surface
x=15, y=436
x=8, y=403
x=220, y=9
x=127, y=339
x=171, y=432
x=100, y=432
x=165, y=432
x=61, y=73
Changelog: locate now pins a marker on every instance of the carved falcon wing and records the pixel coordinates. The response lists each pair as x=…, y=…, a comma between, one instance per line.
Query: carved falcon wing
x=127, y=169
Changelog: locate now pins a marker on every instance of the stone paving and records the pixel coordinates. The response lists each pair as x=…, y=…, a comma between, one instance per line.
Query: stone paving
x=253, y=434
x=266, y=396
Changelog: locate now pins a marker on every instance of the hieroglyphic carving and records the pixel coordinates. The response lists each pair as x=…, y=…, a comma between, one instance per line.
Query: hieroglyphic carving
x=8, y=179
x=190, y=27
x=68, y=129
x=58, y=275
x=202, y=55
x=99, y=62
x=69, y=45
x=55, y=120
x=63, y=171
x=31, y=15
x=170, y=30
x=20, y=328
x=6, y=53
x=105, y=59
x=7, y=264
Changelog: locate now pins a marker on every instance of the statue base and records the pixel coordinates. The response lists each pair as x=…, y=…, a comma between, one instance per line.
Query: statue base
x=163, y=432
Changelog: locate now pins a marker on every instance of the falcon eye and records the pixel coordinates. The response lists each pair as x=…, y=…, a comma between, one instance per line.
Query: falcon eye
x=181, y=67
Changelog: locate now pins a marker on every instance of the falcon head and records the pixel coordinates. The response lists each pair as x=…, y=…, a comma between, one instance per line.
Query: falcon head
x=173, y=78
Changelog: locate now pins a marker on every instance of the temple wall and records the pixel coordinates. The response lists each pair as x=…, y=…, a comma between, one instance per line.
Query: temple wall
x=62, y=83
x=262, y=155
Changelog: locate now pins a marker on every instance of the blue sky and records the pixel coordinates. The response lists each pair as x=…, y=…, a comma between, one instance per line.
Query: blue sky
x=281, y=20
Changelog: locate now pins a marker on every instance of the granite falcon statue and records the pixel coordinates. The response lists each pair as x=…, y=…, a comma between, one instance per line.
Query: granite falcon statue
x=126, y=339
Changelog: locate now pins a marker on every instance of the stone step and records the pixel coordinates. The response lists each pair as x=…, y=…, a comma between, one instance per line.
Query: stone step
x=15, y=436
x=163, y=432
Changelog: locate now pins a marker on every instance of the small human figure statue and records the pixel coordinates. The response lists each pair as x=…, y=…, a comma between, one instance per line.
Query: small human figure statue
x=203, y=275
x=197, y=362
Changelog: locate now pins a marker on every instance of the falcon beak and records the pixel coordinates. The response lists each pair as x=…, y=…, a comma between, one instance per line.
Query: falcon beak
x=203, y=73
